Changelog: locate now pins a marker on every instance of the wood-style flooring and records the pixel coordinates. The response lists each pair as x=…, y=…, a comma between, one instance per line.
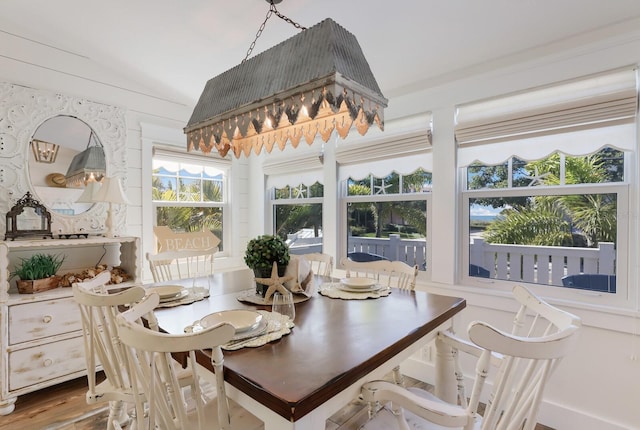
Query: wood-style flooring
x=63, y=407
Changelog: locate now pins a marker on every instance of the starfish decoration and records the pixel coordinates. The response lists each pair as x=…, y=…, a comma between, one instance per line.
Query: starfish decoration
x=275, y=282
x=382, y=188
x=537, y=177
x=300, y=191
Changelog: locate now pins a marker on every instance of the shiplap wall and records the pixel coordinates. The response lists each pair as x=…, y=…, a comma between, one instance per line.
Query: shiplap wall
x=597, y=388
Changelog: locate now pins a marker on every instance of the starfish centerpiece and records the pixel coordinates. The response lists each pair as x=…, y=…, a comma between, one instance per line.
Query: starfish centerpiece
x=275, y=282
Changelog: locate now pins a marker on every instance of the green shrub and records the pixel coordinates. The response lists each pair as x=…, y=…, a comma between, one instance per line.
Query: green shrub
x=262, y=251
x=357, y=231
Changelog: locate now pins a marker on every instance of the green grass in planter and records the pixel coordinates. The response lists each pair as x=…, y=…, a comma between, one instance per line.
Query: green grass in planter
x=38, y=266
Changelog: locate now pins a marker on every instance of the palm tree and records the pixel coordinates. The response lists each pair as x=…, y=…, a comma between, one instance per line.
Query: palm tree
x=540, y=224
x=294, y=217
x=184, y=218
x=548, y=220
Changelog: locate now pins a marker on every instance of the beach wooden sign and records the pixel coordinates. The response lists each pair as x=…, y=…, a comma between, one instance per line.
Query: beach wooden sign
x=170, y=241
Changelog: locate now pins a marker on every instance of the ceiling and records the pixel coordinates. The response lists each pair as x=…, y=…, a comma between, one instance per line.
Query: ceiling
x=170, y=48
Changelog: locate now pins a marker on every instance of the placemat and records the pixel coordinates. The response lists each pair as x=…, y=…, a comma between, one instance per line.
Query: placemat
x=328, y=289
x=250, y=296
x=277, y=326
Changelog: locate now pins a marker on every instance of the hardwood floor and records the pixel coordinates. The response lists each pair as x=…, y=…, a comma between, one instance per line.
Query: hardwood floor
x=63, y=407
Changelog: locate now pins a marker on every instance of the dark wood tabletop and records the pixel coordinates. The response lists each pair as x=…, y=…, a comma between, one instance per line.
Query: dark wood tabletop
x=333, y=344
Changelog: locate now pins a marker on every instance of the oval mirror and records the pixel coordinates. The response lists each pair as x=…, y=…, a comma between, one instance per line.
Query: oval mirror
x=65, y=159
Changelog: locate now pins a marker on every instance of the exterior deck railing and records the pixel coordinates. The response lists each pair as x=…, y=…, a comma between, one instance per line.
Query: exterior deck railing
x=545, y=265
x=411, y=251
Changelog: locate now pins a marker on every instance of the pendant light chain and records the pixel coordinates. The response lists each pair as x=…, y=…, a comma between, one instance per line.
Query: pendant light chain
x=272, y=10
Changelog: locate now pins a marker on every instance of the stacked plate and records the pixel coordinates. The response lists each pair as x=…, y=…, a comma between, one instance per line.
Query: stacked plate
x=358, y=285
x=169, y=293
x=247, y=323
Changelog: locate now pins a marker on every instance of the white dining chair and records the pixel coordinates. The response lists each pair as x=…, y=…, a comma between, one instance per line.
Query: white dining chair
x=321, y=264
x=402, y=275
x=181, y=264
x=98, y=310
x=149, y=362
x=364, y=269
x=523, y=361
x=396, y=274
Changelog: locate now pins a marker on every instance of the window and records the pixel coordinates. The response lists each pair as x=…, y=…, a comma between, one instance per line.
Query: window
x=297, y=215
x=545, y=220
x=545, y=186
x=386, y=217
x=190, y=193
x=296, y=195
x=385, y=193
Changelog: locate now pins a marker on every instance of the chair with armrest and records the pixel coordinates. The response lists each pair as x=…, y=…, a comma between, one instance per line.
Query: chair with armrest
x=102, y=346
x=525, y=359
x=321, y=264
x=181, y=264
x=149, y=362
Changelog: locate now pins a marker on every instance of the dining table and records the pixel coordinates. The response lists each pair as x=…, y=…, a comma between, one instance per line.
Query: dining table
x=300, y=380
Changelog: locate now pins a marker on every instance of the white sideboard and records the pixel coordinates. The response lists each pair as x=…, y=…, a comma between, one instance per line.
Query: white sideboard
x=41, y=334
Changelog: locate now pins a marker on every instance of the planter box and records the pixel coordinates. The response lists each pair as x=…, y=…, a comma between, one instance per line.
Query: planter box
x=30, y=287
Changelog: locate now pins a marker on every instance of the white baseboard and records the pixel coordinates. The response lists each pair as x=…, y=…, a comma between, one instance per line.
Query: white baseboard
x=559, y=417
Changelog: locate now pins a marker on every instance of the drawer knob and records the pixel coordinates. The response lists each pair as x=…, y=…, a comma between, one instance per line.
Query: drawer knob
x=47, y=319
x=48, y=362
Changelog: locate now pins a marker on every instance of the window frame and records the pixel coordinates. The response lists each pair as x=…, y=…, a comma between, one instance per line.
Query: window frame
x=224, y=205
x=272, y=202
x=622, y=189
x=343, y=218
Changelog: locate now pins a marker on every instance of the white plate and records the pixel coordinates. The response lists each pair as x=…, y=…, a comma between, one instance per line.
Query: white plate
x=358, y=282
x=166, y=291
x=242, y=320
x=181, y=295
x=370, y=289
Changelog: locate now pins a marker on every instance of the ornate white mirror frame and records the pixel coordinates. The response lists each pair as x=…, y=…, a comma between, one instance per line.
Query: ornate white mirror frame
x=22, y=111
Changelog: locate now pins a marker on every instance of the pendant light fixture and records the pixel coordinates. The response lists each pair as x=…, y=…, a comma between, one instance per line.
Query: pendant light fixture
x=314, y=83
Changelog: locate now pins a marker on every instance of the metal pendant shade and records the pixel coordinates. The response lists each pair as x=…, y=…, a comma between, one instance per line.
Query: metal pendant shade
x=315, y=82
x=90, y=162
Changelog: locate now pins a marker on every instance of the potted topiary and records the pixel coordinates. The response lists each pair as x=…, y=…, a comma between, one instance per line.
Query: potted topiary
x=260, y=255
x=38, y=273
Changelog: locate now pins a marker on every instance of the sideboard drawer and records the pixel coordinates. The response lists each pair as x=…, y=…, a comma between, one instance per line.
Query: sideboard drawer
x=32, y=321
x=44, y=362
